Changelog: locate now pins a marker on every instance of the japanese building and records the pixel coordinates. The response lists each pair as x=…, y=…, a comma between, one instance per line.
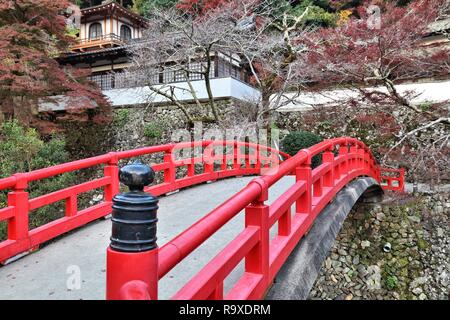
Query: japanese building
x=107, y=31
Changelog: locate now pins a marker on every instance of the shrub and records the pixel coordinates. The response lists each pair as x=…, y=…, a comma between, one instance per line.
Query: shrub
x=391, y=282
x=298, y=140
x=121, y=117
x=154, y=130
x=22, y=150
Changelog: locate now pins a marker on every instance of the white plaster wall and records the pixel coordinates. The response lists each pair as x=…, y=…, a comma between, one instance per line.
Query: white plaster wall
x=438, y=91
x=229, y=87
x=222, y=88
x=82, y=31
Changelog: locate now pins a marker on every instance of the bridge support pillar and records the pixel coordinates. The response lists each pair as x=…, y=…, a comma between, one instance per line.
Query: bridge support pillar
x=132, y=257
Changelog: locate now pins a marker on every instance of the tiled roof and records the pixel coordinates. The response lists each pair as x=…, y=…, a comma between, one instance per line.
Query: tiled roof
x=112, y=4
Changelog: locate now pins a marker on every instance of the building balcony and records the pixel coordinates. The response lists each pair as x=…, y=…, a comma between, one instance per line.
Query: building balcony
x=105, y=41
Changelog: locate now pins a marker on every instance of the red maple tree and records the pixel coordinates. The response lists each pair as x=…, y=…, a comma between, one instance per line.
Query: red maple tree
x=199, y=7
x=375, y=51
x=32, y=34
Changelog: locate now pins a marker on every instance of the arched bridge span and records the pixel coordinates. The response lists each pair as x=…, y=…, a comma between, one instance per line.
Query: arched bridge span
x=294, y=211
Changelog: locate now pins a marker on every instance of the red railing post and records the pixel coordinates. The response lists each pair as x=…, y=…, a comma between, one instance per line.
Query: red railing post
x=285, y=223
x=247, y=156
x=208, y=158
x=317, y=187
x=361, y=158
x=72, y=205
x=169, y=173
x=217, y=294
x=258, y=157
x=132, y=257
x=328, y=157
x=112, y=171
x=366, y=160
x=236, y=160
x=18, y=226
x=353, y=152
x=343, y=151
x=224, y=161
x=303, y=173
x=402, y=180
x=257, y=261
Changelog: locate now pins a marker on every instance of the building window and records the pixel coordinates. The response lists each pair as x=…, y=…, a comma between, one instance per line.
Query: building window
x=125, y=32
x=195, y=68
x=180, y=75
x=95, y=31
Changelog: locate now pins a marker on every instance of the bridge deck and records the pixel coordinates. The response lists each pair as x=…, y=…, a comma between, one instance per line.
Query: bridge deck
x=43, y=274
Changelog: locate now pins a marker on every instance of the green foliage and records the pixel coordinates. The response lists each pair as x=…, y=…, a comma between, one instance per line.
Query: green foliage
x=121, y=117
x=144, y=7
x=72, y=31
x=154, y=130
x=298, y=140
x=421, y=243
x=391, y=282
x=425, y=106
x=319, y=13
x=22, y=150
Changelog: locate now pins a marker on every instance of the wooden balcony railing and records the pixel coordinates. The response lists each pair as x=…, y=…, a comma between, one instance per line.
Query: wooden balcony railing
x=102, y=41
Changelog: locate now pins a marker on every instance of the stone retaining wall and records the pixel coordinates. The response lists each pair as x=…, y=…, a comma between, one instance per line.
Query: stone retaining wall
x=395, y=250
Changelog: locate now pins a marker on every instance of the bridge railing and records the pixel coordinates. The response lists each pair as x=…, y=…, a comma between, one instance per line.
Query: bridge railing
x=343, y=159
x=393, y=179
x=240, y=159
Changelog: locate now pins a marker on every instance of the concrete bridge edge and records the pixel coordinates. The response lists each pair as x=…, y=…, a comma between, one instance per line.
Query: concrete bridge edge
x=298, y=274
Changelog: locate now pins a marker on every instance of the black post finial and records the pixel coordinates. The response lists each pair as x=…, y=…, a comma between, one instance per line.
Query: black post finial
x=136, y=176
x=134, y=213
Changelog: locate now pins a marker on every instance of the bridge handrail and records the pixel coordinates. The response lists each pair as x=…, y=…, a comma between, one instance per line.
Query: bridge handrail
x=344, y=159
x=21, y=238
x=182, y=245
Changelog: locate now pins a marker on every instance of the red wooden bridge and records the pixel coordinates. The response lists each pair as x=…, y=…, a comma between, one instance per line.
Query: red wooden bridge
x=136, y=276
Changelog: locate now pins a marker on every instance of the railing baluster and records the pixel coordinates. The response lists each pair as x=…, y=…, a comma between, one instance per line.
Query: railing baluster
x=224, y=161
x=361, y=158
x=208, y=158
x=112, y=171
x=191, y=168
x=169, y=173
x=284, y=224
x=328, y=157
x=217, y=294
x=18, y=226
x=236, y=163
x=317, y=188
x=71, y=206
x=257, y=261
x=353, y=161
x=258, y=157
x=343, y=167
x=303, y=173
